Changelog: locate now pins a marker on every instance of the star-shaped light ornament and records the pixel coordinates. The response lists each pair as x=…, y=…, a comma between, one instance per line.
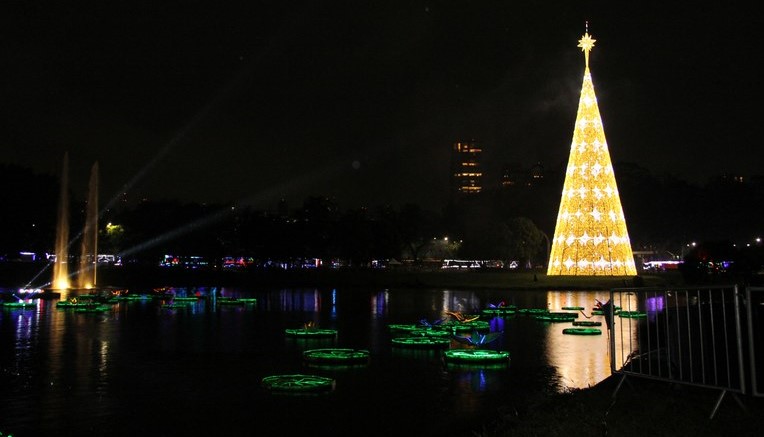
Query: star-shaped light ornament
x=586, y=43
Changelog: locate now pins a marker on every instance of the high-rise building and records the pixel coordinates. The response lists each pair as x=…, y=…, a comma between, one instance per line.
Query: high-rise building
x=466, y=172
x=590, y=237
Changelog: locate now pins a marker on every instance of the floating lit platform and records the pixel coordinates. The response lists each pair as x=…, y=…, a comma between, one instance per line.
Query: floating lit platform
x=404, y=327
x=76, y=304
x=177, y=305
x=310, y=332
x=533, y=311
x=572, y=308
x=501, y=311
x=298, y=383
x=421, y=342
x=93, y=309
x=475, y=356
x=185, y=299
x=475, y=325
x=587, y=323
x=18, y=305
x=632, y=314
x=336, y=356
x=582, y=331
x=556, y=317
x=437, y=333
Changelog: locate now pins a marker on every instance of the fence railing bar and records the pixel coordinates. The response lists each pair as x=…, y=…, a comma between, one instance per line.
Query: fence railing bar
x=751, y=346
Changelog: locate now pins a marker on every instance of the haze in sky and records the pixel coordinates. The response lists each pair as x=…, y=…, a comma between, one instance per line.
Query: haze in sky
x=361, y=101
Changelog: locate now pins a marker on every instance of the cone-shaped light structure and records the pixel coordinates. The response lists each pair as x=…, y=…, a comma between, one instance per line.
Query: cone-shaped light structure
x=590, y=237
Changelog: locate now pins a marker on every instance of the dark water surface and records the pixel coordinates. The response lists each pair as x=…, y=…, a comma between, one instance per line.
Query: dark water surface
x=140, y=369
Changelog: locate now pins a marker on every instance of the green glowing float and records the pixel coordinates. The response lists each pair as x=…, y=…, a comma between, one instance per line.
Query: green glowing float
x=457, y=326
x=185, y=299
x=133, y=297
x=582, y=331
x=499, y=311
x=74, y=303
x=298, y=383
x=396, y=327
x=533, y=311
x=573, y=308
x=230, y=301
x=475, y=356
x=310, y=330
x=632, y=314
x=437, y=333
x=421, y=342
x=556, y=317
x=93, y=309
x=587, y=323
x=18, y=305
x=177, y=305
x=336, y=356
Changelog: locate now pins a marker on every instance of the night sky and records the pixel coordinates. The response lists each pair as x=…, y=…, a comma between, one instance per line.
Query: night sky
x=361, y=100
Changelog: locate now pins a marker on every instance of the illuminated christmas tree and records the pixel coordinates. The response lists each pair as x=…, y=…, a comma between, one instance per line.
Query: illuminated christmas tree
x=590, y=237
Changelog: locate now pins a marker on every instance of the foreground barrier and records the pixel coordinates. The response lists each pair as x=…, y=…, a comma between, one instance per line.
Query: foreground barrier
x=681, y=335
x=754, y=297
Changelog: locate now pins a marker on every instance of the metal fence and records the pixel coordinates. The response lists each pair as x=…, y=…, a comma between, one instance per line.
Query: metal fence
x=681, y=335
x=754, y=298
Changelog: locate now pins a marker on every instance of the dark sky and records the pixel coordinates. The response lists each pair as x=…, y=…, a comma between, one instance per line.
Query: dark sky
x=361, y=100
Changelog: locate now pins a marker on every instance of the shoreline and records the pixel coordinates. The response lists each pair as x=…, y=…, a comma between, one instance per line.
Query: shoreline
x=16, y=276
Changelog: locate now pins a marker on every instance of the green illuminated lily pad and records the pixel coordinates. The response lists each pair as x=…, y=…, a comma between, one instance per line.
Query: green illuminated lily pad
x=185, y=299
x=336, y=355
x=93, y=309
x=501, y=311
x=17, y=305
x=587, y=323
x=556, y=317
x=475, y=356
x=177, y=305
x=310, y=332
x=632, y=314
x=582, y=331
x=230, y=301
x=533, y=311
x=421, y=342
x=475, y=325
x=407, y=328
x=298, y=383
x=425, y=332
x=75, y=304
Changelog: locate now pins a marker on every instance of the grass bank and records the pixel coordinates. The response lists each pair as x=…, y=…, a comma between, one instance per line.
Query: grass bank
x=641, y=407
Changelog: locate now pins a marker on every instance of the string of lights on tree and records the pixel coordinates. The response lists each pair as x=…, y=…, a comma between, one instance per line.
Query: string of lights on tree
x=590, y=236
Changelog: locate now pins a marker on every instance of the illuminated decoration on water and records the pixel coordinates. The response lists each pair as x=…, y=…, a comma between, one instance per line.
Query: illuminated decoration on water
x=336, y=355
x=587, y=323
x=421, y=342
x=298, y=383
x=310, y=330
x=582, y=331
x=475, y=356
x=590, y=236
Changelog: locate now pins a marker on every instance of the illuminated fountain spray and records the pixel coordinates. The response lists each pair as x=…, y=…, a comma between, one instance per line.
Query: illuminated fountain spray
x=60, y=267
x=86, y=278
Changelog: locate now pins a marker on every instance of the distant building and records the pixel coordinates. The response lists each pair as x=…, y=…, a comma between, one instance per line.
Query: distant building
x=514, y=175
x=466, y=171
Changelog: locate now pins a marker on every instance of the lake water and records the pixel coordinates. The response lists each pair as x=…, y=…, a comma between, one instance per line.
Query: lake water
x=141, y=369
